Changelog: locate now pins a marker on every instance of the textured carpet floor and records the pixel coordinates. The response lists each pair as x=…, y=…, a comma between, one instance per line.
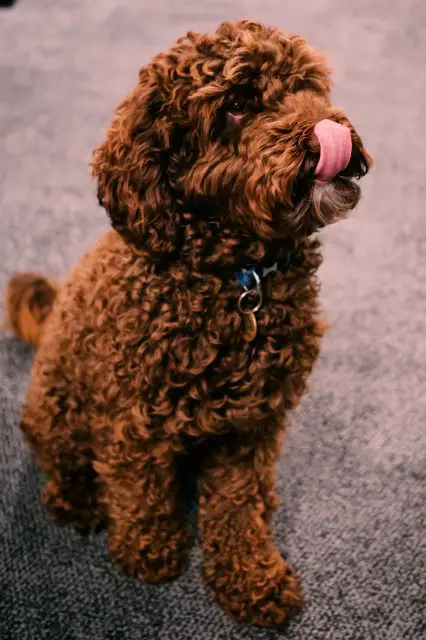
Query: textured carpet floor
x=352, y=479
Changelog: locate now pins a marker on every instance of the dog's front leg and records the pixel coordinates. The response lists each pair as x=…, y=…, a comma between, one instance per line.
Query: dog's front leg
x=245, y=571
x=148, y=530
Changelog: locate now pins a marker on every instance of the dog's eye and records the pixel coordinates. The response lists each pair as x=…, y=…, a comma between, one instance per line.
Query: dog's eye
x=236, y=106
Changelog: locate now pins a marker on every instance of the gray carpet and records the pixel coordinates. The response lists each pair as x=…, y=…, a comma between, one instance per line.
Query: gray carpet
x=352, y=479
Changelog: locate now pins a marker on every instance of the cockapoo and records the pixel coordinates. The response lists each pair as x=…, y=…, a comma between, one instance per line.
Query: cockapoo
x=183, y=337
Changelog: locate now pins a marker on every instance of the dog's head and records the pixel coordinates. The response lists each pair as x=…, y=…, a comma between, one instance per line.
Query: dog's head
x=222, y=127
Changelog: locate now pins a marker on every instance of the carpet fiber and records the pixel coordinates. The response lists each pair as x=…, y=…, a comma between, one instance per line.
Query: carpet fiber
x=352, y=478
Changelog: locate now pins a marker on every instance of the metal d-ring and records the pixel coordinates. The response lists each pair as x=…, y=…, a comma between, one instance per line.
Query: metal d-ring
x=256, y=291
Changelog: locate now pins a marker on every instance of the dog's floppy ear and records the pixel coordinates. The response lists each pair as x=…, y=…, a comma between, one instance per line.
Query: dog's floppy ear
x=131, y=168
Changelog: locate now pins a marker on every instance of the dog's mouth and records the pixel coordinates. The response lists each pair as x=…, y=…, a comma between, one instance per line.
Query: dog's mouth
x=307, y=178
x=328, y=161
x=316, y=202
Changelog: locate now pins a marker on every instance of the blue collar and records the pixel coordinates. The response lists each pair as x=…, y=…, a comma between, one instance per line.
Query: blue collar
x=246, y=278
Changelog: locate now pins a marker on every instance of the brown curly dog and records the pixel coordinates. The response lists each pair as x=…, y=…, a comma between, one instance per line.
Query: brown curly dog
x=183, y=337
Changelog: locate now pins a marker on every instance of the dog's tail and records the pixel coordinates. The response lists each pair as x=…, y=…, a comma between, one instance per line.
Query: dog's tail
x=29, y=299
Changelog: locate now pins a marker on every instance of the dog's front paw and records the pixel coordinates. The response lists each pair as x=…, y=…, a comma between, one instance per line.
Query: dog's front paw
x=271, y=605
x=163, y=558
x=267, y=595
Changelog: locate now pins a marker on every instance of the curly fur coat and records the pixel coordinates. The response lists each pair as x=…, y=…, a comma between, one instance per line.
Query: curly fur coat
x=147, y=362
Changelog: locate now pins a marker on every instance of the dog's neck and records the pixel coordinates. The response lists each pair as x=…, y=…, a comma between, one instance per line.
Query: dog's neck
x=204, y=245
x=209, y=246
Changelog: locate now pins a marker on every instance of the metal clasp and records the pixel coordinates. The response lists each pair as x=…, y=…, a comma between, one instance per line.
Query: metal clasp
x=253, y=297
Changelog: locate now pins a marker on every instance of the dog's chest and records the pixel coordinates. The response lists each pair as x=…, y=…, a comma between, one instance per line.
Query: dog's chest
x=192, y=366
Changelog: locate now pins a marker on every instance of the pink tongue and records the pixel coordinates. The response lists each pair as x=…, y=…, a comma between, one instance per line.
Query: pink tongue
x=335, y=148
